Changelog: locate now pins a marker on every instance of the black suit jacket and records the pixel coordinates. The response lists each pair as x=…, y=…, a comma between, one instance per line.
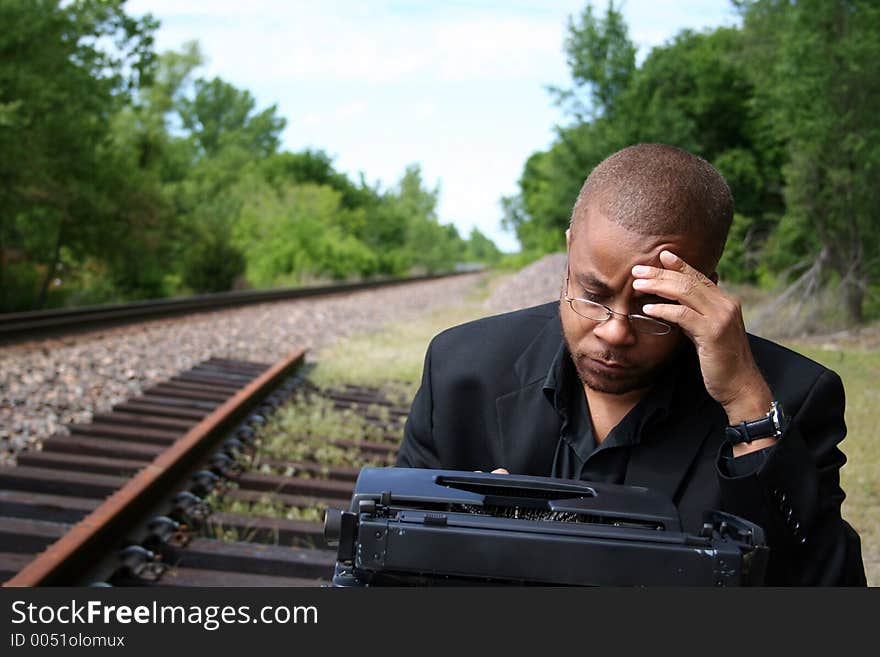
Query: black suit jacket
x=481, y=406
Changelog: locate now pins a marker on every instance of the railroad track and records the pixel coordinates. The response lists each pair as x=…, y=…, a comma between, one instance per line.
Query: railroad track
x=16, y=327
x=126, y=499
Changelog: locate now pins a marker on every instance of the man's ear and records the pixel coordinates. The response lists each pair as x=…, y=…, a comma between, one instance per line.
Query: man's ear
x=567, y=237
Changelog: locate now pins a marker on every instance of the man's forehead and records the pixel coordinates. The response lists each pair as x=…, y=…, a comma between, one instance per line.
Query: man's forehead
x=602, y=248
x=596, y=251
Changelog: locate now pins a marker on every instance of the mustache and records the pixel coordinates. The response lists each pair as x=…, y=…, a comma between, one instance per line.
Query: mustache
x=607, y=356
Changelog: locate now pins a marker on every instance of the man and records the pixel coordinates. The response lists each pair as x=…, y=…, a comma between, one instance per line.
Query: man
x=643, y=374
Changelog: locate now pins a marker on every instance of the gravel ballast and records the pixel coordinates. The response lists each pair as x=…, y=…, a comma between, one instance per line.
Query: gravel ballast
x=48, y=383
x=534, y=284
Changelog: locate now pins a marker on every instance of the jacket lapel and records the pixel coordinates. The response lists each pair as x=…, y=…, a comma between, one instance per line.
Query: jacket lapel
x=528, y=425
x=662, y=459
x=529, y=429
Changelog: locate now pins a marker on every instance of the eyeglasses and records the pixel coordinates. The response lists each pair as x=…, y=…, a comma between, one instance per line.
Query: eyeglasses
x=600, y=313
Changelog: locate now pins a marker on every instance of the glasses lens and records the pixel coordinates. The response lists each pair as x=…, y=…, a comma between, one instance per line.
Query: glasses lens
x=599, y=313
x=589, y=309
x=644, y=324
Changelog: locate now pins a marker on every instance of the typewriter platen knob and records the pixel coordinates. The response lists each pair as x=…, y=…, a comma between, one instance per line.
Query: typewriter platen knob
x=340, y=530
x=332, y=526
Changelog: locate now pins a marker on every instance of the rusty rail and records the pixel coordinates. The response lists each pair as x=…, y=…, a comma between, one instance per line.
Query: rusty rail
x=110, y=519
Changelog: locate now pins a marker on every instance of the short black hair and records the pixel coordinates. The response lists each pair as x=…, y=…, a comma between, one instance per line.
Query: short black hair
x=655, y=189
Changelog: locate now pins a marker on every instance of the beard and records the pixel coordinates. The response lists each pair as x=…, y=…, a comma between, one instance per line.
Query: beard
x=627, y=380
x=632, y=376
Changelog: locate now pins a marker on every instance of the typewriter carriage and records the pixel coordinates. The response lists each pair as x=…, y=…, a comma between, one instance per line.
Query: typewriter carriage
x=440, y=527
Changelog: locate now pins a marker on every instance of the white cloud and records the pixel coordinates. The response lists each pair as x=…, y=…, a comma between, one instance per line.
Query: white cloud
x=311, y=119
x=456, y=86
x=424, y=110
x=492, y=49
x=351, y=110
x=301, y=41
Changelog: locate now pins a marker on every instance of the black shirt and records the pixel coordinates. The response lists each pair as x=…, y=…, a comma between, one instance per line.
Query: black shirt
x=578, y=456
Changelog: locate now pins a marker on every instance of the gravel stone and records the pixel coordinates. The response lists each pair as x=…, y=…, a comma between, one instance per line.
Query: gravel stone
x=535, y=284
x=48, y=383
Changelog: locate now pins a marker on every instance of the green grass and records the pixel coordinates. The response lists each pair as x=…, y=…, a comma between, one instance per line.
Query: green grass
x=297, y=432
x=391, y=357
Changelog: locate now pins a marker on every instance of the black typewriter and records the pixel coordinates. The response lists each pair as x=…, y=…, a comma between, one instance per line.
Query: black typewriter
x=411, y=526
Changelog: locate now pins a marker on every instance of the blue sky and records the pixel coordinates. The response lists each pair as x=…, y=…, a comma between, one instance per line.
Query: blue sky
x=458, y=87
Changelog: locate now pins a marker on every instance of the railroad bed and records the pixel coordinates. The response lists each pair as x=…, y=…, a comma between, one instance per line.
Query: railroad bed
x=46, y=384
x=126, y=499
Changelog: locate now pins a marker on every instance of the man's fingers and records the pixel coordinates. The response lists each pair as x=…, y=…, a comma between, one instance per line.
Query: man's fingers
x=672, y=267
x=678, y=282
x=500, y=471
x=687, y=318
x=678, y=287
x=672, y=262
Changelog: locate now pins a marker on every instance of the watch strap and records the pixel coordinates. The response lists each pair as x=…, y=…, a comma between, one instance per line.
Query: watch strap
x=769, y=426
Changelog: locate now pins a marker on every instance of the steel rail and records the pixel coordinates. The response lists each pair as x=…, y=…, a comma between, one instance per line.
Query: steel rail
x=106, y=523
x=31, y=324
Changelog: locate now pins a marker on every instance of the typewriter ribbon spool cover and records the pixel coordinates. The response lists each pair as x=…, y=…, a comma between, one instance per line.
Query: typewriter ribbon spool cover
x=408, y=526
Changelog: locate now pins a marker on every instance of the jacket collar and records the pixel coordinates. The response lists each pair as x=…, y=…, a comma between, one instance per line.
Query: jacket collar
x=528, y=425
x=536, y=360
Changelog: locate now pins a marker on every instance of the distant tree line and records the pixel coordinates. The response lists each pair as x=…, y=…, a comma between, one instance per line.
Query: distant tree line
x=785, y=106
x=125, y=176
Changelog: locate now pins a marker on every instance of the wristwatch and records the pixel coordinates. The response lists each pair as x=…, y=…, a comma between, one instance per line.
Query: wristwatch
x=770, y=426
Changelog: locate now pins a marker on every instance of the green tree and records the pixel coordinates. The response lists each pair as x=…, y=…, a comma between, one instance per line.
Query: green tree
x=819, y=85
x=128, y=178
x=226, y=141
x=601, y=59
x=219, y=116
x=481, y=249
x=316, y=166
x=60, y=85
x=426, y=243
x=295, y=235
x=695, y=92
x=146, y=249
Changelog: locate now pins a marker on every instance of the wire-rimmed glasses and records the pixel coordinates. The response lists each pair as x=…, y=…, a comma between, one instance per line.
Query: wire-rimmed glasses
x=601, y=313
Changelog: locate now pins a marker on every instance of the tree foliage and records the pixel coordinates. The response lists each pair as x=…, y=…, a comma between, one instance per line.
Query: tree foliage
x=820, y=92
x=126, y=176
x=59, y=92
x=784, y=106
x=601, y=59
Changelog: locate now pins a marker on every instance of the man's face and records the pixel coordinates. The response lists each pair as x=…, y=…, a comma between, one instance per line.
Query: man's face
x=610, y=356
